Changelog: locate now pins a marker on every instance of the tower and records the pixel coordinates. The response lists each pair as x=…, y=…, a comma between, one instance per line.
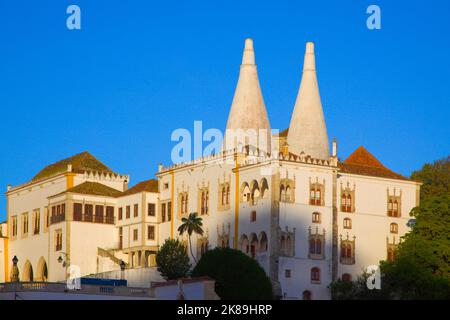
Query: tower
x=307, y=130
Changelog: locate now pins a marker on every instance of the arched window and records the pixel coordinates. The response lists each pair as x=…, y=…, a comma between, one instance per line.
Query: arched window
x=315, y=275
x=394, y=228
x=227, y=197
x=186, y=204
x=316, y=217
x=282, y=194
x=347, y=223
x=306, y=295
x=346, y=277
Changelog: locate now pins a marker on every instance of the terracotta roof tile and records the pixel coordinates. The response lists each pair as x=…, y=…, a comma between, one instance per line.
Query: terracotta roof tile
x=94, y=188
x=144, y=186
x=80, y=162
x=362, y=162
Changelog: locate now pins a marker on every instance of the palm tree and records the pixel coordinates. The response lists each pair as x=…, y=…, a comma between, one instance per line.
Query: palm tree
x=191, y=224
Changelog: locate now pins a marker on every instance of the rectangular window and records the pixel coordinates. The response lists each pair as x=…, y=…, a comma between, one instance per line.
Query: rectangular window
x=150, y=232
x=166, y=186
x=77, y=211
x=88, y=212
x=120, y=238
x=135, y=235
x=253, y=216
x=128, y=212
x=287, y=273
x=151, y=210
x=120, y=214
x=14, y=226
x=25, y=224
x=99, y=213
x=36, y=221
x=58, y=240
x=163, y=212
x=63, y=209
x=169, y=211
x=109, y=215
x=136, y=210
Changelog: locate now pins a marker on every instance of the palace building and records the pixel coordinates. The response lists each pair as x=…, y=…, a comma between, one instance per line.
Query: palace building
x=305, y=216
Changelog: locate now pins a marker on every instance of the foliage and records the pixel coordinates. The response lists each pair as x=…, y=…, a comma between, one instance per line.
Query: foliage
x=172, y=260
x=193, y=223
x=435, y=178
x=237, y=275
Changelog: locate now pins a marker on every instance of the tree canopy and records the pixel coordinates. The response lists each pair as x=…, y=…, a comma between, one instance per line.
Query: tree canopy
x=435, y=178
x=237, y=275
x=172, y=260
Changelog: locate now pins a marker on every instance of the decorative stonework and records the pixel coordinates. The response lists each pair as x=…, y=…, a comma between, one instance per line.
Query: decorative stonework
x=287, y=242
x=316, y=242
x=316, y=192
x=223, y=237
x=347, y=255
x=347, y=198
x=203, y=199
x=394, y=203
x=287, y=190
x=224, y=194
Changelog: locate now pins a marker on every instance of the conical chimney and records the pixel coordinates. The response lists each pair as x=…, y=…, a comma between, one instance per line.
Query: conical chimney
x=307, y=130
x=248, y=122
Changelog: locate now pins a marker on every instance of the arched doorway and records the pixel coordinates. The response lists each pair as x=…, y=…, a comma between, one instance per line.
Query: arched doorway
x=27, y=272
x=42, y=272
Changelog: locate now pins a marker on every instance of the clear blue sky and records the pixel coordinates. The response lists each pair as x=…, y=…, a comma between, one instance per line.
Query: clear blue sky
x=139, y=69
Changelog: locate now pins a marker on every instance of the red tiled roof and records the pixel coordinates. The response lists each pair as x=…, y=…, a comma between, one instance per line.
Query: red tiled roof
x=93, y=188
x=362, y=162
x=144, y=186
x=80, y=162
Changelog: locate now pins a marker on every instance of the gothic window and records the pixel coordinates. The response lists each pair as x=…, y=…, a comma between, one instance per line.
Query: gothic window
x=244, y=244
x=287, y=240
x=394, y=204
x=316, y=193
x=264, y=188
x=315, y=275
x=36, y=221
x=263, y=244
x=347, y=223
x=183, y=204
x=394, y=228
x=347, y=255
x=14, y=226
x=287, y=190
x=245, y=191
x=316, y=244
x=224, y=196
x=253, y=245
x=204, y=198
x=316, y=217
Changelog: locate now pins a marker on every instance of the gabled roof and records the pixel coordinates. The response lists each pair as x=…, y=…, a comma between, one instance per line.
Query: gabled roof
x=80, y=162
x=144, y=186
x=95, y=189
x=362, y=162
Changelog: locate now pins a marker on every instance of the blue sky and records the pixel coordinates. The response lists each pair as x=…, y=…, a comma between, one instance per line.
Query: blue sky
x=137, y=70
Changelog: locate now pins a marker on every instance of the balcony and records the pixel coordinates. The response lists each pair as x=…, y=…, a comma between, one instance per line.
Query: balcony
x=93, y=218
x=57, y=218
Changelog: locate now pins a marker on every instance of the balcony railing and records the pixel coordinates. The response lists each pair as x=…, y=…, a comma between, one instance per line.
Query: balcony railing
x=93, y=218
x=57, y=218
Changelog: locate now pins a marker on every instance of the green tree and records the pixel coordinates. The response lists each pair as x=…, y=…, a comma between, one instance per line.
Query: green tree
x=237, y=275
x=172, y=260
x=193, y=223
x=435, y=178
